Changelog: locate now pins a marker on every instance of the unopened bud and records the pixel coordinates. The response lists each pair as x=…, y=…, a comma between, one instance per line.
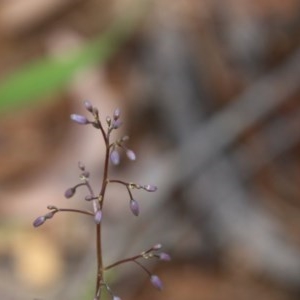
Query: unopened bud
x=130, y=154
x=150, y=188
x=39, y=221
x=156, y=282
x=115, y=157
x=117, y=114
x=134, y=206
x=88, y=106
x=116, y=124
x=70, y=192
x=82, y=120
x=164, y=256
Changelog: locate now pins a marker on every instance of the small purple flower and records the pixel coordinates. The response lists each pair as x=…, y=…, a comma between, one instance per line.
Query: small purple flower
x=164, y=256
x=98, y=216
x=70, y=192
x=156, y=282
x=115, y=157
x=150, y=188
x=82, y=120
x=130, y=154
x=117, y=114
x=39, y=221
x=88, y=106
x=134, y=206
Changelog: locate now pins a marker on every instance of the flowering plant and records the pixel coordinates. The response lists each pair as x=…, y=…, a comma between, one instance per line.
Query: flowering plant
x=97, y=200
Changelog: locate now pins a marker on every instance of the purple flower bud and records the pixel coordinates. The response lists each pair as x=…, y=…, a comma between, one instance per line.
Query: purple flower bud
x=39, y=221
x=70, y=192
x=116, y=124
x=157, y=247
x=164, y=256
x=98, y=216
x=115, y=157
x=134, y=206
x=82, y=120
x=150, y=188
x=88, y=106
x=130, y=154
x=156, y=282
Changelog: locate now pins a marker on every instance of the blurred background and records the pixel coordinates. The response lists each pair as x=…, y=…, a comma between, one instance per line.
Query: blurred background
x=210, y=96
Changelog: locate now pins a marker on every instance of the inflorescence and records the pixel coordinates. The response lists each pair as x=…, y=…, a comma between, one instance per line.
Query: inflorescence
x=112, y=156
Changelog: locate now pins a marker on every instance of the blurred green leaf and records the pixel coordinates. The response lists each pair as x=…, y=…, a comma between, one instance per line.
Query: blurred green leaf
x=43, y=76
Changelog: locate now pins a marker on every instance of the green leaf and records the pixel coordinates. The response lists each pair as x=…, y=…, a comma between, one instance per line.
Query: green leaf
x=44, y=76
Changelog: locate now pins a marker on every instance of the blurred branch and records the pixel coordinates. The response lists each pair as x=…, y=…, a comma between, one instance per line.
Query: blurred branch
x=279, y=135
x=212, y=184
x=255, y=104
x=234, y=217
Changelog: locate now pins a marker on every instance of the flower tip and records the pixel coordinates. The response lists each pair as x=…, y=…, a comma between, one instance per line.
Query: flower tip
x=156, y=282
x=39, y=221
x=134, y=207
x=82, y=120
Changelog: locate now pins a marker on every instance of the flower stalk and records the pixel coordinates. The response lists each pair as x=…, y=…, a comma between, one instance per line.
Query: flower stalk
x=112, y=156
